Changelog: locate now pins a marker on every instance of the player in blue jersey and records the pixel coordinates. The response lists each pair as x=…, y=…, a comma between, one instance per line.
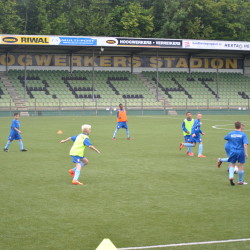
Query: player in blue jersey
x=81, y=141
x=238, y=152
x=195, y=136
x=186, y=128
x=15, y=134
x=227, y=149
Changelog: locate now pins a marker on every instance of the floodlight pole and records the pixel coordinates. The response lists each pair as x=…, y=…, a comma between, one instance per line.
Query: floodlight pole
x=157, y=77
x=70, y=63
x=25, y=75
x=217, y=79
x=6, y=61
x=93, y=74
x=189, y=64
x=131, y=63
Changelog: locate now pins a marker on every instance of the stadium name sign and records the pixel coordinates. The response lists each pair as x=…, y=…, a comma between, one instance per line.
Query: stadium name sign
x=121, y=61
x=125, y=42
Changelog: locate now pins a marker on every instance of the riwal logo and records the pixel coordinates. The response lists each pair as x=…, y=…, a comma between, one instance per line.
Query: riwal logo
x=25, y=40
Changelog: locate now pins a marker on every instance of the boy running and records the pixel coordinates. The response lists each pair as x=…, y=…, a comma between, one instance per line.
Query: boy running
x=227, y=149
x=81, y=141
x=238, y=152
x=15, y=134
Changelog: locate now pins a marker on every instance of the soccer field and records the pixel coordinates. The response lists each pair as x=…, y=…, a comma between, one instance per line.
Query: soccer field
x=143, y=192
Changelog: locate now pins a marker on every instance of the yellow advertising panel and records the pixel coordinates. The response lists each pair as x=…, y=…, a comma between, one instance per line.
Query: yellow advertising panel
x=25, y=40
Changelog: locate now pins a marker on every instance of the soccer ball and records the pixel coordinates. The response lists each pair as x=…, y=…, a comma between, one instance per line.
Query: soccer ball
x=236, y=170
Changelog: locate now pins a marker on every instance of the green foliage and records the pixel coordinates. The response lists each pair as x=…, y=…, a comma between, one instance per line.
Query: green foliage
x=10, y=21
x=132, y=21
x=197, y=19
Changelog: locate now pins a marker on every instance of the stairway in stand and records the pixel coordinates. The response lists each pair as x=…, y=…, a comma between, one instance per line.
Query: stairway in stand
x=19, y=102
x=153, y=89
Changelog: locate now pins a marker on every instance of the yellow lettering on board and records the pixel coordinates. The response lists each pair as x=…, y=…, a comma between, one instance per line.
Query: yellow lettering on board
x=88, y=61
x=60, y=60
x=153, y=62
x=120, y=61
x=105, y=61
x=43, y=60
x=21, y=60
x=169, y=61
x=217, y=63
x=77, y=61
x=182, y=63
x=231, y=63
x=196, y=63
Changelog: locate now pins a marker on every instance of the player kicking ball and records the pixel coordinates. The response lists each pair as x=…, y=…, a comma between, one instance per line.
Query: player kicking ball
x=81, y=141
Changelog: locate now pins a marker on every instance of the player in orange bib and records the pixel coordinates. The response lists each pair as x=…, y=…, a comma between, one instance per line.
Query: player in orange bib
x=121, y=122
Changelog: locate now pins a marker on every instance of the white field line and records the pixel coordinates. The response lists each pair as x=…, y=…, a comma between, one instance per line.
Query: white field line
x=224, y=125
x=186, y=244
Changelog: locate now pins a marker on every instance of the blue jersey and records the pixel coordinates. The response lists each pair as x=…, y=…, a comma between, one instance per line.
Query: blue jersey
x=237, y=139
x=227, y=148
x=196, y=129
x=14, y=124
x=14, y=135
x=86, y=142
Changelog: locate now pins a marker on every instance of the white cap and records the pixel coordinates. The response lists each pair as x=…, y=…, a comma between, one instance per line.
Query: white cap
x=85, y=126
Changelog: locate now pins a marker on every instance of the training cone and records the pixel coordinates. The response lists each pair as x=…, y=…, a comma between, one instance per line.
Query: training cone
x=59, y=132
x=106, y=244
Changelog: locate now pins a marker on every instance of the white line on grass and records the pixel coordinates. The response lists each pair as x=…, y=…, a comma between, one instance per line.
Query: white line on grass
x=186, y=244
x=224, y=125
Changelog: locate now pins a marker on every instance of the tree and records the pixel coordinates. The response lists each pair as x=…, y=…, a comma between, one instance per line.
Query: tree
x=132, y=21
x=10, y=21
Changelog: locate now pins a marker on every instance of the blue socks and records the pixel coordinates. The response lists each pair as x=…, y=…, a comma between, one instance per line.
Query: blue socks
x=21, y=145
x=231, y=173
x=224, y=159
x=77, y=174
x=7, y=144
x=188, y=144
x=200, y=150
x=114, y=135
x=241, y=175
x=127, y=132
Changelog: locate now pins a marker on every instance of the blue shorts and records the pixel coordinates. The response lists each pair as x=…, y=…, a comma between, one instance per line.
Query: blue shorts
x=237, y=156
x=122, y=125
x=76, y=159
x=187, y=138
x=14, y=136
x=196, y=139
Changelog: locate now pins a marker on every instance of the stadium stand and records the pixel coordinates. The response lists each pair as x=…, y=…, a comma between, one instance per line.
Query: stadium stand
x=58, y=88
x=61, y=88
x=200, y=89
x=5, y=98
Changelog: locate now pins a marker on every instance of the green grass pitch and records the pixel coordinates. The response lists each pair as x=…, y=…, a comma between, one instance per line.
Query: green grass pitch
x=139, y=193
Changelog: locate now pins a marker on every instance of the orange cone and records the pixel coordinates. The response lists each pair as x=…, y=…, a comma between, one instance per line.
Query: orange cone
x=59, y=132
